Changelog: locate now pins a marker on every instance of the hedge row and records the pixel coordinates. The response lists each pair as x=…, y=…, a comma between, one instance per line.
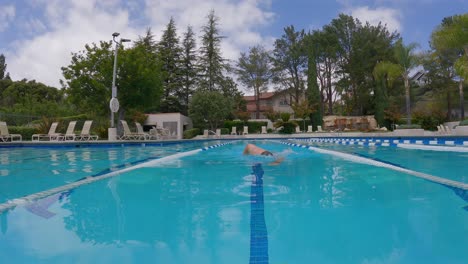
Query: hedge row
x=413, y=126
x=464, y=123
x=191, y=133
x=25, y=132
x=254, y=126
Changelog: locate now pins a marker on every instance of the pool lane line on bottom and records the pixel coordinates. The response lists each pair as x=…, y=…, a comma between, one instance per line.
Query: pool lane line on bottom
x=90, y=179
x=368, y=161
x=258, y=230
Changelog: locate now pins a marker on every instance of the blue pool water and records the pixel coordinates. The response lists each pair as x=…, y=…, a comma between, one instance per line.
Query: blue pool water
x=219, y=206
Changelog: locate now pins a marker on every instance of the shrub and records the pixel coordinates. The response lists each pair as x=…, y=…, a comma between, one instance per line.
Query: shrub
x=225, y=131
x=287, y=128
x=285, y=116
x=254, y=126
x=428, y=120
x=463, y=122
x=413, y=126
x=44, y=124
x=238, y=124
x=191, y=133
x=269, y=130
x=25, y=132
x=102, y=131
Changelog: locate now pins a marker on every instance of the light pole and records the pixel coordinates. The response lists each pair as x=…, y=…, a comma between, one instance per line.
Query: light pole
x=114, y=103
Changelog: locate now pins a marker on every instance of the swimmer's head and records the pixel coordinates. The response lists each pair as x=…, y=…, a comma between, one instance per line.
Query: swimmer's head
x=267, y=153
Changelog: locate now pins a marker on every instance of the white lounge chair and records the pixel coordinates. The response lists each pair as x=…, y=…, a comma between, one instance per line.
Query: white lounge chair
x=319, y=129
x=164, y=133
x=218, y=132
x=85, y=132
x=234, y=130
x=298, y=129
x=128, y=134
x=440, y=130
x=70, y=133
x=309, y=129
x=448, y=130
x=246, y=130
x=146, y=136
x=51, y=135
x=5, y=136
x=206, y=133
x=264, y=129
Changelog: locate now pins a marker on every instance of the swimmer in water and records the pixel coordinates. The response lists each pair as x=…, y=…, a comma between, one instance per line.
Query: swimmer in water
x=251, y=149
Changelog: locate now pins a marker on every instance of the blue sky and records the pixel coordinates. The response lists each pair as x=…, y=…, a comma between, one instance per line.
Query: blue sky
x=38, y=36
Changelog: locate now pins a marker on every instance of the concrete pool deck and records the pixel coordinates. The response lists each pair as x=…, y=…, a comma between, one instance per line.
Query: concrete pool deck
x=397, y=134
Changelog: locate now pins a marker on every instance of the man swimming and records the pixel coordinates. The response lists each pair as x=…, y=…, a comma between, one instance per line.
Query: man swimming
x=251, y=149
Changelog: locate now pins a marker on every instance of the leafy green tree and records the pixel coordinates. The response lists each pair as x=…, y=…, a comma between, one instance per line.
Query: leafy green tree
x=302, y=110
x=31, y=98
x=313, y=91
x=140, y=81
x=254, y=70
x=344, y=29
x=325, y=45
x=406, y=60
x=3, y=66
x=211, y=63
x=188, y=69
x=360, y=47
x=88, y=78
x=440, y=73
x=451, y=34
x=170, y=105
x=385, y=74
x=290, y=62
x=170, y=55
x=211, y=107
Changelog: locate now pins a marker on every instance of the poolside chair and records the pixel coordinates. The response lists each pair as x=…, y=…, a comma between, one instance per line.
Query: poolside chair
x=319, y=129
x=448, y=130
x=5, y=136
x=218, y=132
x=440, y=129
x=145, y=135
x=205, y=133
x=128, y=134
x=246, y=130
x=309, y=129
x=298, y=129
x=264, y=129
x=85, y=132
x=70, y=133
x=51, y=135
x=234, y=130
x=164, y=133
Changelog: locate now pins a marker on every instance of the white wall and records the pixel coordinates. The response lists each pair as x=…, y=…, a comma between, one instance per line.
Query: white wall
x=159, y=119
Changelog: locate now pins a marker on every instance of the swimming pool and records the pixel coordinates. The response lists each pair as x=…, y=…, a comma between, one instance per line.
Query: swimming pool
x=218, y=206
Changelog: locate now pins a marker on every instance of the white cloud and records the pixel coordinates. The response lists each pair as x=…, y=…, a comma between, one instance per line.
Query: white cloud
x=69, y=25
x=33, y=26
x=387, y=16
x=42, y=57
x=7, y=14
x=238, y=20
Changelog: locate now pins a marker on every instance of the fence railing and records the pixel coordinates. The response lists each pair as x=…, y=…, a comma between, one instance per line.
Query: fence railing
x=18, y=119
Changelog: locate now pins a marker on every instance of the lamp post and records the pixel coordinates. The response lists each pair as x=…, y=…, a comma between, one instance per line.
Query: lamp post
x=114, y=103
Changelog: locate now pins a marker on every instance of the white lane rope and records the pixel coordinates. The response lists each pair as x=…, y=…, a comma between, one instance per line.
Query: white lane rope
x=372, y=162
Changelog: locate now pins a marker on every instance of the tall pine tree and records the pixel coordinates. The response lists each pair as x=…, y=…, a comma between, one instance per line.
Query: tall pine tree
x=170, y=53
x=188, y=69
x=212, y=65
